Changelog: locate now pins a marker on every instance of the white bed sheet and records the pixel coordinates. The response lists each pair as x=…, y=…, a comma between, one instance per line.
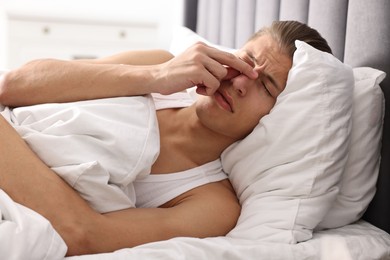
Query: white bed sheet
x=358, y=241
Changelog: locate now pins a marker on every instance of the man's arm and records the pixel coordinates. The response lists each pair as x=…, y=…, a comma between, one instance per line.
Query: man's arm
x=125, y=74
x=51, y=80
x=209, y=210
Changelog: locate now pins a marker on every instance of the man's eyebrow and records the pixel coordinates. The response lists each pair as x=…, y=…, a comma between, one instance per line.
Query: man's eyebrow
x=269, y=77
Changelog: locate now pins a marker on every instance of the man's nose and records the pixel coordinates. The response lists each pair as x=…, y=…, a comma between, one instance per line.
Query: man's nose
x=241, y=83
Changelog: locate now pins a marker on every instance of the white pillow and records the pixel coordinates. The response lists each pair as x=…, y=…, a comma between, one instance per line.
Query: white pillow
x=362, y=165
x=358, y=184
x=286, y=171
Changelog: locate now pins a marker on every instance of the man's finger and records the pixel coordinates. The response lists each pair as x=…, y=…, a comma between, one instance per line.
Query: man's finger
x=231, y=73
x=232, y=61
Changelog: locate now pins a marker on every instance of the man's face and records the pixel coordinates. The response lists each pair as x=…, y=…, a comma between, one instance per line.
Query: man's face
x=239, y=103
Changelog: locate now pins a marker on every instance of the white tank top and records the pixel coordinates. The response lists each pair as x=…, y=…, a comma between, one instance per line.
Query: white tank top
x=157, y=189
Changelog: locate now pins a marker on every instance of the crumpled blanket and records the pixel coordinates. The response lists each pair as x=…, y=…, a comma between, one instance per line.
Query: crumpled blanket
x=99, y=146
x=27, y=235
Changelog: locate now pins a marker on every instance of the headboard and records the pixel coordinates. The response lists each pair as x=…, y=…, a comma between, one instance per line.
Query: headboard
x=358, y=32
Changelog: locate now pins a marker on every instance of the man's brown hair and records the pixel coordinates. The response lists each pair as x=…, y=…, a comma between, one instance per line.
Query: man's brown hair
x=285, y=33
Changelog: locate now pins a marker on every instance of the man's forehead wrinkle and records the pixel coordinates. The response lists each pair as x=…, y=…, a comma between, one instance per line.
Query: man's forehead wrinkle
x=267, y=53
x=267, y=64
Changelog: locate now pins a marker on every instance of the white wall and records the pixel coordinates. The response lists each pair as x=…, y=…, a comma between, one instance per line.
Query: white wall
x=160, y=15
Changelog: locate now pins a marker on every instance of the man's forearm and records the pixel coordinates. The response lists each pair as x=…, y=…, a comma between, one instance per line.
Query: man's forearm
x=52, y=81
x=49, y=80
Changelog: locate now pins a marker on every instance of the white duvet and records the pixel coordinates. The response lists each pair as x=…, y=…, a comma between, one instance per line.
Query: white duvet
x=99, y=147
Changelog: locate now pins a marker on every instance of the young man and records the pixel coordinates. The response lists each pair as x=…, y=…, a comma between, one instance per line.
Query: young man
x=238, y=91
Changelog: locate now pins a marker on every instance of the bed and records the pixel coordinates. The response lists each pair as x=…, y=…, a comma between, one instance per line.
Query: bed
x=358, y=32
x=359, y=35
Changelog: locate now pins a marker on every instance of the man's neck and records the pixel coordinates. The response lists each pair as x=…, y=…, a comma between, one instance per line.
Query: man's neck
x=185, y=142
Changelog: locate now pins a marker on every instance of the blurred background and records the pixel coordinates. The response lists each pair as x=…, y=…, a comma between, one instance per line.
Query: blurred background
x=78, y=29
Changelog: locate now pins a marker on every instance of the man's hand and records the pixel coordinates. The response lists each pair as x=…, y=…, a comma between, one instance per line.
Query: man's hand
x=202, y=66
